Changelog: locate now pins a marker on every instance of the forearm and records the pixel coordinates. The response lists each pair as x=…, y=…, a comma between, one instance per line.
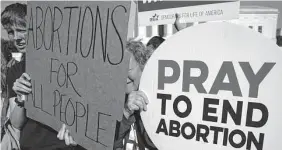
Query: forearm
x=179, y=26
x=18, y=115
x=122, y=130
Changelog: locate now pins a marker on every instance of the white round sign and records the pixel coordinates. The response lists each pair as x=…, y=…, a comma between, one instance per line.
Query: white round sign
x=214, y=86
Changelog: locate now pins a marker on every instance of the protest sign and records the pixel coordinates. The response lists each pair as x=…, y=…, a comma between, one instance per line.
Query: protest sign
x=214, y=86
x=78, y=65
x=163, y=12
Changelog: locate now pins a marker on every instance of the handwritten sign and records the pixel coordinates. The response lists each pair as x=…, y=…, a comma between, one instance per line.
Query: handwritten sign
x=163, y=12
x=214, y=86
x=78, y=64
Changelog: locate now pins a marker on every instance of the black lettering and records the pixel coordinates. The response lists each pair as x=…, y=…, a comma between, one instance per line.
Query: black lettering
x=98, y=128
x=81, y=37
x=174, y=126
x=196, y=81
x=51, y=69
x=216, y=130
x=193, y=130
x=64, y=75
x=30, y=28
x=44, y=27
x=69, y=74
x=227, y=109
x=203, y=134
x=250, y=111
x=41, y=104
x=57, y=29
x=38, y=26
x=163, y=97
x=252, y=139
x=243, y=139
x=77, y=111
x=207, y=109
x=57, y=96
x=162, y=127
x=68, y=114
x=118, y=34
x=188, y=108
x=68, y=39
x=78, y=24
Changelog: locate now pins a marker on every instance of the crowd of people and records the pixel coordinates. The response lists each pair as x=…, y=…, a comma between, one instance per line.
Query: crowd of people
x=20, y=132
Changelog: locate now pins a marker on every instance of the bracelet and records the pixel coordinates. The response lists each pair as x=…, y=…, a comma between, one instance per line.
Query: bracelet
x=20, y=104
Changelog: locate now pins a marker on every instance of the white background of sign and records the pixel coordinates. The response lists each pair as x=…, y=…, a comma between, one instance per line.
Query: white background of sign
x=214, y=43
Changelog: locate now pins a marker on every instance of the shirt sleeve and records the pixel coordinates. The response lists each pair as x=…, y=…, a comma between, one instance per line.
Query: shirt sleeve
x=122, y=130
x=11, y=137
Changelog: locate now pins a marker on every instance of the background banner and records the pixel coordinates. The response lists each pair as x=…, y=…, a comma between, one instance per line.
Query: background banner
x=163, y=12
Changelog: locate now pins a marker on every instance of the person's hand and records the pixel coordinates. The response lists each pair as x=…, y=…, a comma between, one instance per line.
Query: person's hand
x=179, y=26
x=22, y=86
x=177, y=18
x=137, y=101
x=64, y=134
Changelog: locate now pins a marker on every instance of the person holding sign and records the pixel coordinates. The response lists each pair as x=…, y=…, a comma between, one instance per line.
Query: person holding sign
x=136, y=100
x=13, y=21
x=29, y=134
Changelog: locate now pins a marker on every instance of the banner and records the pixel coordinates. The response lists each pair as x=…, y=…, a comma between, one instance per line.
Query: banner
x=163, y=12
x=78, y=65
x=214, y=86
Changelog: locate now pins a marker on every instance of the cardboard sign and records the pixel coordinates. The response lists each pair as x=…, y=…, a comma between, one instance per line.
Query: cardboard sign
x=78, y=65
x=214, y=86
x=163, y=12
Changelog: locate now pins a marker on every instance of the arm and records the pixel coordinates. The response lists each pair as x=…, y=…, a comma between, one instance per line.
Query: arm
x=18, y=114
x=122, y=130
x=137, y=101
x=22, y=87
x=179, y=26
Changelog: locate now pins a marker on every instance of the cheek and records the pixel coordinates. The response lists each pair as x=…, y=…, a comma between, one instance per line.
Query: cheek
x=11, y=37
x=137, y=78
x=130, y=87
x=15, y=42
x=21, y=36
x=25, y=34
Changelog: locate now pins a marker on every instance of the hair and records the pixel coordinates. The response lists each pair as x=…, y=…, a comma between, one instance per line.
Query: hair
x=155, y=42
x=3, y=73
x=140, y=52
x=8, y=47
x=5, y=56
x=14, y=14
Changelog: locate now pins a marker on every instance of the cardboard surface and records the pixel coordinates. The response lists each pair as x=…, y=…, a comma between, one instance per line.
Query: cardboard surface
x=78, y=64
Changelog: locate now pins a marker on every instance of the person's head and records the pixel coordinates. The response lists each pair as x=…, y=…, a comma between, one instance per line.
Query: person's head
x=13, y=19
x=155, y=42
x=139, y=56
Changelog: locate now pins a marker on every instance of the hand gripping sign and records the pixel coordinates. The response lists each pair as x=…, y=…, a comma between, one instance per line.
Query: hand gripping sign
x=214, y=86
